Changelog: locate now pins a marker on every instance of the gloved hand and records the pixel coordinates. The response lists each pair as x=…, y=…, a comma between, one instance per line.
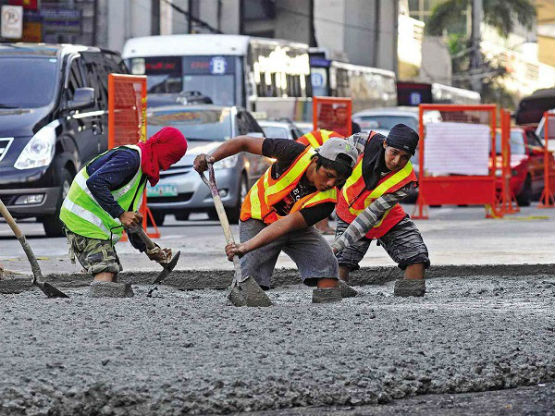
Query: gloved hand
x=159, y=255
x=409, y=287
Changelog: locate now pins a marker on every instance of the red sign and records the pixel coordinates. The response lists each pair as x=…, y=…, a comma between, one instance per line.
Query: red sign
x=332, y=113
x=27, y=4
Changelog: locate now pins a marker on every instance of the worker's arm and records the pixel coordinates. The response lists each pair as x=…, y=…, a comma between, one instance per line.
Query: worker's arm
x=108, y=173
x=230, y=147
x=270, y=233
x=364, y=222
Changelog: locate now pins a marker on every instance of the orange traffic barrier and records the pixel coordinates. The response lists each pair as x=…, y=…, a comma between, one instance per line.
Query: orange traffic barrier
x=332, y=113
x=509, y=204
x=547, y=200
x=454, y=166
x=127, y=123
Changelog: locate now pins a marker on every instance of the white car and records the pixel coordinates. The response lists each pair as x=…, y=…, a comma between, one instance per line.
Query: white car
x=382, y=120
x=540, y=131
x=280, y=129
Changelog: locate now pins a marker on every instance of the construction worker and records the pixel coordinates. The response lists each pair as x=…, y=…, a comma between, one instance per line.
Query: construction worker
x=317, y=138
x=297, y=191
x=105, y=196
x=368, y=208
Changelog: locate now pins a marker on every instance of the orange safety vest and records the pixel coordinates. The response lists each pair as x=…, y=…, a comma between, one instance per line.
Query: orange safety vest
x=354, y=197
x=266, y=192
x=317, y=138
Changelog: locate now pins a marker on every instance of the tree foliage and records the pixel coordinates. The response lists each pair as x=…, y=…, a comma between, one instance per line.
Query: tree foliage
x=500, y=14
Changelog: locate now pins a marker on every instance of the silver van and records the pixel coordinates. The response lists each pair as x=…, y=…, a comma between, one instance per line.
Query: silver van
x=180, y=190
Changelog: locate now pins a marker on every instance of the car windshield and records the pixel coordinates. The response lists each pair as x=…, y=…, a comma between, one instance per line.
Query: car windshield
x=195, y=124
x=385, y=122
x=275, y=132
x=516, y=141
x=27, y=82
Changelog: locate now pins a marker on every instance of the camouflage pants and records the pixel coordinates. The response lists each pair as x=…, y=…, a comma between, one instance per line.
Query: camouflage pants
x=96, y=256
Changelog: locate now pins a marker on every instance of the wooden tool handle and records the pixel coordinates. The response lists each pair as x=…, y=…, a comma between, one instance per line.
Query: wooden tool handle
x=23, y=241
x=143, y=236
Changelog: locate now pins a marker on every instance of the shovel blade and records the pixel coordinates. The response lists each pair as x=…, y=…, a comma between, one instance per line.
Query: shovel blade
x=168, y=268
x=50, y=291
x=248, y=293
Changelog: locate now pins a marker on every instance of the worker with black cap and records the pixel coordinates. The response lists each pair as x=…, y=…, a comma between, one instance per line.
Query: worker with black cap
x=368, y=209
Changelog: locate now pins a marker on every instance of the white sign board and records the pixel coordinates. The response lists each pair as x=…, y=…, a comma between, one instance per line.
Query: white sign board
x=457, y=149
x=12, y=22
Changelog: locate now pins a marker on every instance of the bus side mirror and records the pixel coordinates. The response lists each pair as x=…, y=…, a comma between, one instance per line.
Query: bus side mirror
x=82, y=98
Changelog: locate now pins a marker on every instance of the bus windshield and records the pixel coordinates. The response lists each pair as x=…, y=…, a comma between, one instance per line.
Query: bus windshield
x=212, y=76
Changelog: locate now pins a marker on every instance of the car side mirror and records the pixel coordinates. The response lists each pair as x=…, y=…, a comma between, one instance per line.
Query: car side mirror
x=82, y=98
x=255, y=134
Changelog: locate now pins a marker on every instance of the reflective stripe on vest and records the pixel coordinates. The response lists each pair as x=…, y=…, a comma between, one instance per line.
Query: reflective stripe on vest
x=266, y=192
x=83, y=215
x=384, y=185
x=317, y=138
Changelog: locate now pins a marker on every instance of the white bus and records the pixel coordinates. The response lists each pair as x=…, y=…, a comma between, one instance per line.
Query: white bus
x=265, y=75
x=446, y=94
x=367, y=86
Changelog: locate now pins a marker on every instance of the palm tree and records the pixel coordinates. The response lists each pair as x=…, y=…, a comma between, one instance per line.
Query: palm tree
x=500, y=14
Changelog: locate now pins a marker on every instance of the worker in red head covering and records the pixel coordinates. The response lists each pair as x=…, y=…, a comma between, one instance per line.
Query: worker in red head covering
x=103, y=201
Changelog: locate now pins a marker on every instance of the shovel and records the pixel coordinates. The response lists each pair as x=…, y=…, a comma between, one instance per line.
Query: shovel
x=168, y=267
x=244, y=291
x=49, y=290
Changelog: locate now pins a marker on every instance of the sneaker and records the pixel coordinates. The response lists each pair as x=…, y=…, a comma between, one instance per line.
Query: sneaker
x=346, y=290
x=409, y=287
x=331, y=294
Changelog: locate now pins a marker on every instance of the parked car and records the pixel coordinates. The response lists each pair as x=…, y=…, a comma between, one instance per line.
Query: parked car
x=280, y=130
x=540, y=130
x=382, y=120
x=184, y=98
x=304, y=126
x=53, y=119
x=180, y=190
x=527, y=165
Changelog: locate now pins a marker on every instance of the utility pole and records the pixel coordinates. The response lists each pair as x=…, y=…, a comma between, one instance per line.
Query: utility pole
x=476, y=54
x=312, y=41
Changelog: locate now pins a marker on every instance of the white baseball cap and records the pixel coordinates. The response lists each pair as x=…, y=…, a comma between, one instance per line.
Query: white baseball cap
x=335, y=147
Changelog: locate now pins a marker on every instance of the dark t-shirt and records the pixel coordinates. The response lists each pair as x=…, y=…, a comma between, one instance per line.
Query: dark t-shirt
x=285, y=152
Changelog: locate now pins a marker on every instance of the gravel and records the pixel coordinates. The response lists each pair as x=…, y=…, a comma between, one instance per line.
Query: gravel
x=189, y=352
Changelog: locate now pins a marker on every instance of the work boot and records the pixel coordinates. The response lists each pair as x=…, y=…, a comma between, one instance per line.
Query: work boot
x=409, y=287
x=99, y=289
x=327, y=295
x=346, y=290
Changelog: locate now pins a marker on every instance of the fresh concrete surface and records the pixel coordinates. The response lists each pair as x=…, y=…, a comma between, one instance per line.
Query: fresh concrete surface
x=187, y=352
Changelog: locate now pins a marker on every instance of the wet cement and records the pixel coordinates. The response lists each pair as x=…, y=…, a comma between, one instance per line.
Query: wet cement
x=181, y=352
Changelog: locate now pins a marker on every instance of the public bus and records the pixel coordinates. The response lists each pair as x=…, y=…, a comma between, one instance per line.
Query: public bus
x=368, y=87
x=415, y=93
x=263, y=75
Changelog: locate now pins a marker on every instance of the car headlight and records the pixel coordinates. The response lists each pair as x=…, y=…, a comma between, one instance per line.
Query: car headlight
x=40, y=149
x=227, y=163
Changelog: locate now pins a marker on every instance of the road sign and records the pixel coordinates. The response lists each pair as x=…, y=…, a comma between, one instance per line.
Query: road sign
x=12, y=22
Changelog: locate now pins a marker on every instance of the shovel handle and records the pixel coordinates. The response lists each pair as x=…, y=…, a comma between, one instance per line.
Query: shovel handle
x=222, y=216
x=23, y=241
x=220, y=210
x=143, y=236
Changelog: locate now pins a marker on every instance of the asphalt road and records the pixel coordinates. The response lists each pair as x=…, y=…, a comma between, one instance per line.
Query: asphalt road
x=188, y=352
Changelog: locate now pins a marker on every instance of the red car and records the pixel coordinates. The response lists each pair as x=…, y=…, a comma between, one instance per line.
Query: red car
x=527, y=165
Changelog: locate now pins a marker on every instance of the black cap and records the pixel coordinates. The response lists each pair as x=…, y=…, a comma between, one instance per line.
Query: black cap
x=402, y=137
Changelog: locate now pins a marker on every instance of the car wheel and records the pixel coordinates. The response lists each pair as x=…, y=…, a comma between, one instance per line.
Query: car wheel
x=525, y=195
x=53, y=226
x=234, y=213
x=158, y=218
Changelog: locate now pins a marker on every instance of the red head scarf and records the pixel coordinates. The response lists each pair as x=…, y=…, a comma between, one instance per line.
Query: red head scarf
x=161, y=151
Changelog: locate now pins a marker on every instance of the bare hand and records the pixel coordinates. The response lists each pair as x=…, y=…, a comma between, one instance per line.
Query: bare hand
x=130, y=219
x=201, y=162
x=232, y=250
x=159, y=255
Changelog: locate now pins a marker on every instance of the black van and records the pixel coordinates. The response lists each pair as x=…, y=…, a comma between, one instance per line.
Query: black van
x=53, y=119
